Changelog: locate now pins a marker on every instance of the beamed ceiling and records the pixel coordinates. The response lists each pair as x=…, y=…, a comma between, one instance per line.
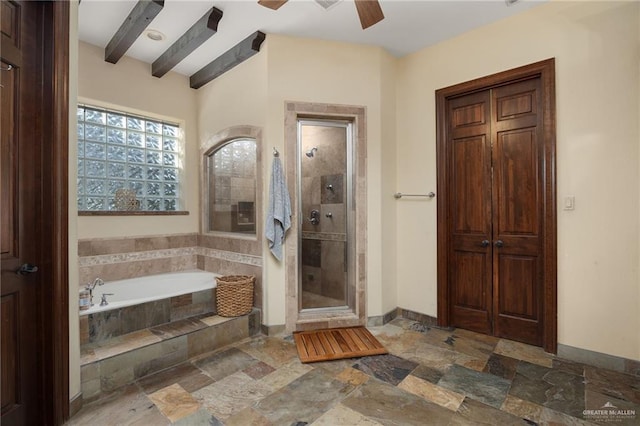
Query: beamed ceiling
x=203, y=39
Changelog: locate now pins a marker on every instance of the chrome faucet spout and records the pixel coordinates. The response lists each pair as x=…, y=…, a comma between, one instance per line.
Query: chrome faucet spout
x=91, y=286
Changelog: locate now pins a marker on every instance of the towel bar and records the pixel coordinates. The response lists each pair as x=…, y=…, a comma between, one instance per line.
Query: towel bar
x=399, y=195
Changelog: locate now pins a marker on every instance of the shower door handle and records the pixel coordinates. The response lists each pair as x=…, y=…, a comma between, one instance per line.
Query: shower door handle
x=314, y=218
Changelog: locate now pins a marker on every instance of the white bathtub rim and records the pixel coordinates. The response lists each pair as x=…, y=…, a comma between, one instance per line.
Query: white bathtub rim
x=97, y=292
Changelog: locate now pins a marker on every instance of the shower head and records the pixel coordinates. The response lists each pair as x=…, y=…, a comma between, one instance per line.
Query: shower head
x=311, y=152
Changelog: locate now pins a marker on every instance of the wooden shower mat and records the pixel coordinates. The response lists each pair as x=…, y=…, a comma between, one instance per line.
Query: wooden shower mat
x=336, y=343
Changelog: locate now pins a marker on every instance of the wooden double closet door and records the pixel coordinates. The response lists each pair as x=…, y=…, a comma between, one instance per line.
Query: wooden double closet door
x=494, y=186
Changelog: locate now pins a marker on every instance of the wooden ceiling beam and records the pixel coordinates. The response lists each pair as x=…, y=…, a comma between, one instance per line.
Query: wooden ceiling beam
x=138, y=20
x=272, y=4
x=232, y=57
x=199, y=32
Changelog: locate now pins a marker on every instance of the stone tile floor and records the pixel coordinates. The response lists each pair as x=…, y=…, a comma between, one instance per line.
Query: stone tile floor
x=430, y=376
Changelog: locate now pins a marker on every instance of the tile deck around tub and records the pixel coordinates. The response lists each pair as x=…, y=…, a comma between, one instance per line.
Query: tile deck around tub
x=92, y=352
x=431, y=376
x=109, y=365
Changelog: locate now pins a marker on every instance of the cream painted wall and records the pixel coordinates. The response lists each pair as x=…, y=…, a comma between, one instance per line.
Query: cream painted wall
x=596, y=46
x=388, y=186
x=129, y=85
x=308, y=70
x=237, y=97
x=74, y=324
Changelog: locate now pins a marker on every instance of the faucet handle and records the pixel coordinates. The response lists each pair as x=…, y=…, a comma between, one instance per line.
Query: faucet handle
x=104, y=302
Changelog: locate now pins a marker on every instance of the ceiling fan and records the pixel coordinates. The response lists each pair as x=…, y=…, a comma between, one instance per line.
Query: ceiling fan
x=369, y=11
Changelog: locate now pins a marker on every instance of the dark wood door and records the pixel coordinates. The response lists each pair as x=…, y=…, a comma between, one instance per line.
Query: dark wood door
x=495, y=180
x=516, y=191
x=469, y=209
x=22, y=193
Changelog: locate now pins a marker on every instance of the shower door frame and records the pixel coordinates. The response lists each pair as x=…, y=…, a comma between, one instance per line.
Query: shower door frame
x=347, y=125
x=355, y=313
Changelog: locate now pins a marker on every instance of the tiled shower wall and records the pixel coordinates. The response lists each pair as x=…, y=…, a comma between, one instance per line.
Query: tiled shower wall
x=324, y=265
x=122, y=258
x=323, y=188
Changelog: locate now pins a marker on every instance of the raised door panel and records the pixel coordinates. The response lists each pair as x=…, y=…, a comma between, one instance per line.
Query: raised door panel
x=9, y=21
x=469, y=170
x=517, y=103
x=10, y=27
x=516, y=174
x=9, y=365
x=470, y=292
x=517, y=296
x=8, y=169
x=469, y=115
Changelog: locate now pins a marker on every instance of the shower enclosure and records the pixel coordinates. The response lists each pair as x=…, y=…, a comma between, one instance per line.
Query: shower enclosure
x=325, y=150
x=326, y=252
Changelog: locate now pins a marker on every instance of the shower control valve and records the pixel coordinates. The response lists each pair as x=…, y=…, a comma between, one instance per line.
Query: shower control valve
x=314, y=218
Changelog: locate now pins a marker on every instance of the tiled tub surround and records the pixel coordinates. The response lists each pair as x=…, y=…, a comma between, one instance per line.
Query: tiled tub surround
x=235, y=256
x=123, y=258
x=122, y=345
x=100, y=326
x=133, y=291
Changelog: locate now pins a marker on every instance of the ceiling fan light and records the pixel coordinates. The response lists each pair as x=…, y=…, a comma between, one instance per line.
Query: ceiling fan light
x=511, y=2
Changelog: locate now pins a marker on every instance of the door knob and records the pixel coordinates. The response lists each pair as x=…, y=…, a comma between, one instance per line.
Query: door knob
x=26, y=269
x=499, y=243
x=484, y=243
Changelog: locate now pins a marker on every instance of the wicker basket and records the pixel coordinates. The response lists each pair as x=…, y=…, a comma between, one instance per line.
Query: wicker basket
x=234, y=295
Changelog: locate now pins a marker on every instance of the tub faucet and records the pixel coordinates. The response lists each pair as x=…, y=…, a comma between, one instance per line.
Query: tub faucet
x=91, y=286
x=104, y=301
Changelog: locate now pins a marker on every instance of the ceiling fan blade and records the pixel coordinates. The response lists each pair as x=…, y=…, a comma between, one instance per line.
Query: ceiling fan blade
x=370, y=12
x=272, y=4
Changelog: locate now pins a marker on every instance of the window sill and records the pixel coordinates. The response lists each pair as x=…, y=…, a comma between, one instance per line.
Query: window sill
x=131, y=213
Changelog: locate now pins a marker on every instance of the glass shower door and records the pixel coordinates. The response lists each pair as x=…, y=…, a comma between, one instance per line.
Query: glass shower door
x=324, y=151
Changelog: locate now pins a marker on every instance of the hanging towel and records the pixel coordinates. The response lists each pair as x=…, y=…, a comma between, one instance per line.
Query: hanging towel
x=279, y=213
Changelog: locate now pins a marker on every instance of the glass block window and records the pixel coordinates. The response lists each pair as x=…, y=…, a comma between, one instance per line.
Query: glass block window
x=124, y=156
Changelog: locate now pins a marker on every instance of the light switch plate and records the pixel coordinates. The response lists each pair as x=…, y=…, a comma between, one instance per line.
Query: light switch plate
x=569, y=203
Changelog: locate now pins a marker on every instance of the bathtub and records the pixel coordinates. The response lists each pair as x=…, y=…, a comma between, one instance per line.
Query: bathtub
x=141, y=290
